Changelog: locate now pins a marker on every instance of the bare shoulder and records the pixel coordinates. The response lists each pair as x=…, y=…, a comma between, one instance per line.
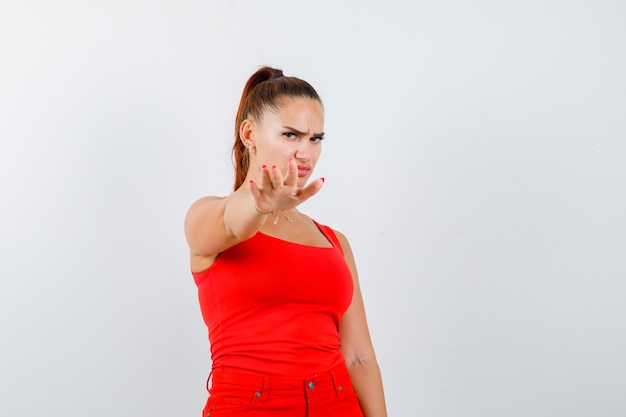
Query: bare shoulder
x=200, y=206
x=342, y=239
x=204, y=201
x=340, y=236
x=345, y=245
x=205, y=218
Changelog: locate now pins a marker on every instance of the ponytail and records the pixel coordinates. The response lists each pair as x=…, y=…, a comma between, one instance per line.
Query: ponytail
x=264, y=89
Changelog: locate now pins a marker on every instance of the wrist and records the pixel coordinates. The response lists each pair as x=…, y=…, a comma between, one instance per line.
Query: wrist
x=265, y=213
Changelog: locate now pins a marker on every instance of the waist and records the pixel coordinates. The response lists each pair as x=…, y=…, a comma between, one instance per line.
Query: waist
x=275, y=359
x=336, y=379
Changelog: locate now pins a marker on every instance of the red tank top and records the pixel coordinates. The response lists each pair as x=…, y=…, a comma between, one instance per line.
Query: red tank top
x=273, y=307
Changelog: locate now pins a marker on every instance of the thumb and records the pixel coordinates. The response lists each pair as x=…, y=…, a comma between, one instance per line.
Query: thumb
x=311, y=189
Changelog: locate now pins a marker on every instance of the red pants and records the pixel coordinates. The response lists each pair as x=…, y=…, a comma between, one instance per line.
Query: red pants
x=326, y=395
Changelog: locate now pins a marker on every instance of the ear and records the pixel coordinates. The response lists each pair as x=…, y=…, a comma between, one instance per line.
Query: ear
x=246, y=132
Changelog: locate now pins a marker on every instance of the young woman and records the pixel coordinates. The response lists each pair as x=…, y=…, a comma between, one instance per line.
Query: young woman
x=278, y=291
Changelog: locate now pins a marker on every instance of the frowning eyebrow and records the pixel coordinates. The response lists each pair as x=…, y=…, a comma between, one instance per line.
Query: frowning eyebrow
x=300, y=133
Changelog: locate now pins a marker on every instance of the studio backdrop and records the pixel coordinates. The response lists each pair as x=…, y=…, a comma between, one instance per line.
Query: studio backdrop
x=475, y=156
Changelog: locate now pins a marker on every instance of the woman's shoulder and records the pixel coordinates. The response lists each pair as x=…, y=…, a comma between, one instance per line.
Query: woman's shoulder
x=202, y=201
x=209, y=198
x=335, y=234
x=343, y=240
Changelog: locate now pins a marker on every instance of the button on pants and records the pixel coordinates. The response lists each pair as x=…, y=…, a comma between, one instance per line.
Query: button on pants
x=235, y=394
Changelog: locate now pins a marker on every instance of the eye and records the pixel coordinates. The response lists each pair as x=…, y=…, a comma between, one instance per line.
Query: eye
x=317, y=139
x=290, y=135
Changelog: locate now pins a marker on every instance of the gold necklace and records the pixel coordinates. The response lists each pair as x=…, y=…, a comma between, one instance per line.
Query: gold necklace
x=285, y=215
x=278, y=212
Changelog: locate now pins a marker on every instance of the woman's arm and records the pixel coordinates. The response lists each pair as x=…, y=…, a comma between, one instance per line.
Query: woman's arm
x=357, y=348
x=213, y=224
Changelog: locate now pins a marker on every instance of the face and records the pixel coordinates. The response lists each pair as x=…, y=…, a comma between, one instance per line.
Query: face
x=294, y=131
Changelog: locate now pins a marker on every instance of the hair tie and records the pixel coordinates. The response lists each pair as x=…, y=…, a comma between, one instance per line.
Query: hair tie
x=277, y=74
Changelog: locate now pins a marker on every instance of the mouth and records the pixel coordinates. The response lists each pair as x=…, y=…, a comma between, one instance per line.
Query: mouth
x=303, y=170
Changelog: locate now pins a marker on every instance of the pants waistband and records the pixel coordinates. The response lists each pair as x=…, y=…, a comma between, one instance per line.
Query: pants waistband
x=336, y=379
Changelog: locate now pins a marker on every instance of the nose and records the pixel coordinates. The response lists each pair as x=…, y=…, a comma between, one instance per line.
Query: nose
x=303, y=153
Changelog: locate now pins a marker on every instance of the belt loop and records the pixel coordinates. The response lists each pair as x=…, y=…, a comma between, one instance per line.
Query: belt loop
x=334, y=381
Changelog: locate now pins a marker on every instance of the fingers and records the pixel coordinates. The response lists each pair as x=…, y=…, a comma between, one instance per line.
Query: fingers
x=269, y=186
x=291, y=178
x=254, y=189
x=310, y=190
x=266, y=181
x=271, y=178
x=280, y=192
x=276, y=177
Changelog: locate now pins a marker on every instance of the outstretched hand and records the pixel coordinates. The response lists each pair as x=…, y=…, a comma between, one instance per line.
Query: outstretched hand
x=278, y=192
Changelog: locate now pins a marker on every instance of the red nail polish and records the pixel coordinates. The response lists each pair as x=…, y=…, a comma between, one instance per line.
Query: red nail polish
x=273, y=166
x=264, y=166
x=323, y=180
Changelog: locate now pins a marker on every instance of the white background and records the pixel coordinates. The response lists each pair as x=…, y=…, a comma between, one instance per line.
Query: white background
x=475, y=157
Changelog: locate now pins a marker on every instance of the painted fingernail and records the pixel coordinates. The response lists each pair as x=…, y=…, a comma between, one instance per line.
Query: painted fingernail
x=323, y=179
x=264, y=166
x=273, y=166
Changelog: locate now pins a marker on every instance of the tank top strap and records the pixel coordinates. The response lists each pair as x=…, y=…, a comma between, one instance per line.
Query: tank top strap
x=329, y=233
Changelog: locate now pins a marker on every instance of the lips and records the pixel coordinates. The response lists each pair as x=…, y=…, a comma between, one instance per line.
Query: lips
x=303, y=170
